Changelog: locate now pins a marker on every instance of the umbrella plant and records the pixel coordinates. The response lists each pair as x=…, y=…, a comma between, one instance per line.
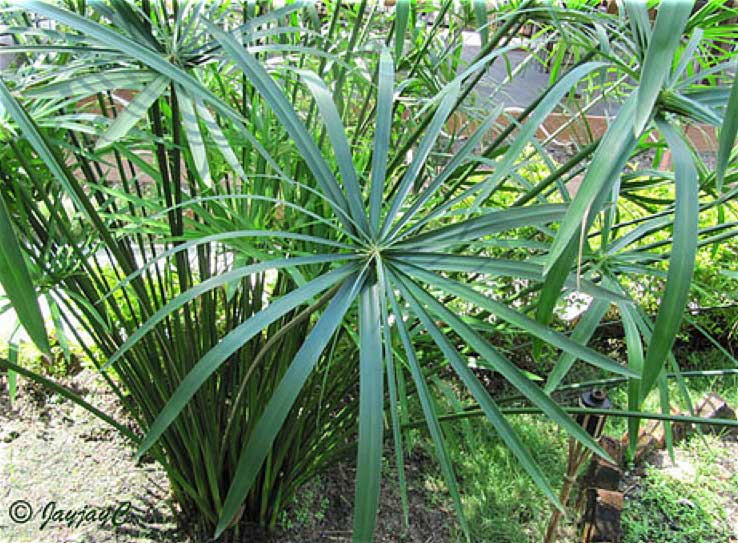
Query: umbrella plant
x=253, y=221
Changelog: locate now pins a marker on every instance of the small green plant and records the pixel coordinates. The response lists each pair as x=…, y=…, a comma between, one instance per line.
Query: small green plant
x=502, y=504
x=282, y=236
x=307, y=508
x=667, y=510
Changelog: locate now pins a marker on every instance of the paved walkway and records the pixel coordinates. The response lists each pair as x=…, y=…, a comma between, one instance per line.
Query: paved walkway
x=525, y=86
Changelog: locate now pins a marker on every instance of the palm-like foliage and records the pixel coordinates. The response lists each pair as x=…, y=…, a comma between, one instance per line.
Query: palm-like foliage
x=257, y=267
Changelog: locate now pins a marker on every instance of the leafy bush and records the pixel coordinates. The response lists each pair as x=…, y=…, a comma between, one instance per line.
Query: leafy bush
x=291, y=202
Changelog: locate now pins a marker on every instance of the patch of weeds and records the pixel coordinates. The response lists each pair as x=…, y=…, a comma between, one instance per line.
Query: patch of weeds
x=501, y=503
x=307, y=509
x=66, y=359
x=724, y=385
x=711, y=359
x=667, y=510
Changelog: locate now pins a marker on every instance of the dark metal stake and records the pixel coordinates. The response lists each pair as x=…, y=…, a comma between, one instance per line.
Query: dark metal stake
x=578, y=454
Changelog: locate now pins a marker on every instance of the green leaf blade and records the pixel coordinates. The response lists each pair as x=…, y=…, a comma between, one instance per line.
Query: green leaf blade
x=212, y=283
x=133, y=112
x=195, y=140
x=519, y=320
x=402, y=14
x=728, y=133
x=371, y=408
x=681, y=261
x=342, y=150
x=671, y=18
x=381, y=136
x=415, y=297
x=281, y=401
x=608, y=160
x=16, y=282
x=429, y=409
x=450, y=94
x=528, y=130
x=230, y=344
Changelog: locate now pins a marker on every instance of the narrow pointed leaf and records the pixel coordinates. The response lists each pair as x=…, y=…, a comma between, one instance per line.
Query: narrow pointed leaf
x=416, y=296
x=727, y=134
x=634, y=346
x=506, y=368
x=276, y=98
x=229, y=345
x=133, y=112
x=448, y=170
x=249, y=27
x=92, y=84
x=730, y=423
x=681, y=262
x=402, y=14
x=610, y=157
x=667, y=31
x=371, y=410
x=221, y=142
x=157, y=62
x=337, y=135
x=15, y=280
x=552, y=98
x=209, y=284
x=394, y=407
x=554, y=281
x=40, y=145
x=194, y=136
x=429, y=411
x=222, y=236
x=502, y=267
x=518, y=319
x=410, y=177
x=282, y=400
x=490, y=223
x=380, y=150
x=480, y=13
x=640, y=26
x=582, y=333
x=687, y=54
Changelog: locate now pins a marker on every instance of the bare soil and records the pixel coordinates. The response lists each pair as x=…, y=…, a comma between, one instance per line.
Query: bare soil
x=57, y=459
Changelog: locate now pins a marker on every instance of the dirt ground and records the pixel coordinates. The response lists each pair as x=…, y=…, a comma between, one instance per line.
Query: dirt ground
x=58, y=460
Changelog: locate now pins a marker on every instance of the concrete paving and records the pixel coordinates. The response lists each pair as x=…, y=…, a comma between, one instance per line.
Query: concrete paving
x=525, y=86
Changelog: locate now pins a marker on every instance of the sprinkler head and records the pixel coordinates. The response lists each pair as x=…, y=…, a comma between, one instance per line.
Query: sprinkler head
x=593, y=399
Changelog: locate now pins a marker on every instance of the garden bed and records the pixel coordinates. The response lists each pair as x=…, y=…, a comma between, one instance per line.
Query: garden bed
x=53, y=451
